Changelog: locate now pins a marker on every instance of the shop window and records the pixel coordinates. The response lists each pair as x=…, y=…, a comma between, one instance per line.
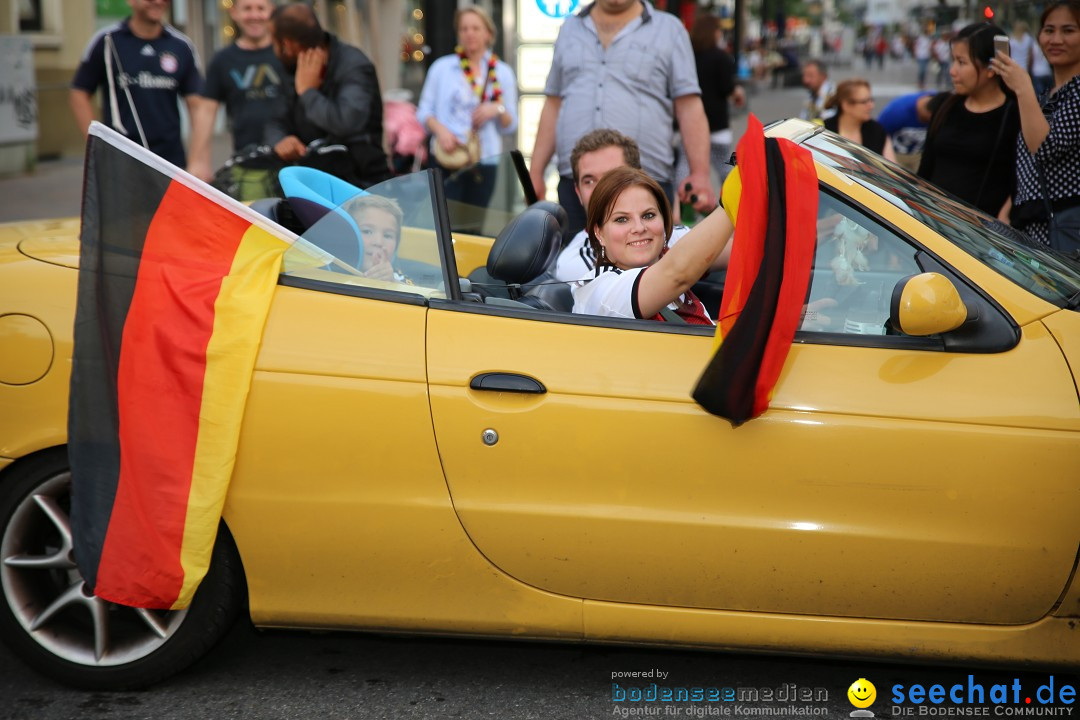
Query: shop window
x=30, y=16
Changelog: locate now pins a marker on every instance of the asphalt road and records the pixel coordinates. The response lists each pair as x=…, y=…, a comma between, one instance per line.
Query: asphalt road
x=341, y=676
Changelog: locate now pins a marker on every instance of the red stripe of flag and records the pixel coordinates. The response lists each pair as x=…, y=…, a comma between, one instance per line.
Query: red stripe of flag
x=801, y=205
x=189, y=248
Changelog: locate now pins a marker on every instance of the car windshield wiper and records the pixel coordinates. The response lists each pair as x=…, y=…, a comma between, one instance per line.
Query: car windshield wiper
x=1073, y=302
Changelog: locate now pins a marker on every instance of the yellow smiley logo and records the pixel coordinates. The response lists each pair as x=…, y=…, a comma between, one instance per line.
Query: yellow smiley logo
x=862, y=693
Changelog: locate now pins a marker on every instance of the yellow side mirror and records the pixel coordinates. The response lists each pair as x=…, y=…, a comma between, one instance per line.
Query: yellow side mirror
x=927, y=304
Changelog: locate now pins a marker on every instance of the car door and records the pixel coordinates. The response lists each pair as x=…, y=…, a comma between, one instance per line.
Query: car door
x=890, y=478
x=338, y=499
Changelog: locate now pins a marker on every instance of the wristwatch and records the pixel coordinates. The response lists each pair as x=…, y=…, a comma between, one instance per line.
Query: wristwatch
x=501, y=109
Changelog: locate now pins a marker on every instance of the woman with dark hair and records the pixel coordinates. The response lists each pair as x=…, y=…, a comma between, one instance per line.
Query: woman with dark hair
x=1048, y=148
x=637, y=274
x=716, y=75
x=971, y=139
x=854, y=105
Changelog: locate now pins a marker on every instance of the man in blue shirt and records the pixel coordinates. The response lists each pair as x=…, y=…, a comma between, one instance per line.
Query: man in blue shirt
x=905, y=119
x=621, y=64
x=143, y=66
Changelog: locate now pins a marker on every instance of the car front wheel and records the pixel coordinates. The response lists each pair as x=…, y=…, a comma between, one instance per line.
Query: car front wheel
x=51, y=621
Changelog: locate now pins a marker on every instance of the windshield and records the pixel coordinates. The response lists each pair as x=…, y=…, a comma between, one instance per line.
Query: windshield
x=384, y=237
x=1006, y=250
x=483, y=198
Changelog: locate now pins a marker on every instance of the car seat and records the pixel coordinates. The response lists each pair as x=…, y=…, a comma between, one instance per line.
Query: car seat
x=489, y=286
x=315, y=199
x=521, y=255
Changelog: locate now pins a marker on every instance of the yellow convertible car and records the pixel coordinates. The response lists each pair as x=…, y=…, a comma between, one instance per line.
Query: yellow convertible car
x=447, y=449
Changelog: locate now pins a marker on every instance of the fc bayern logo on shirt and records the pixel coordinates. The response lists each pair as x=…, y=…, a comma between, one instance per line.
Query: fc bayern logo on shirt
x=169, y=63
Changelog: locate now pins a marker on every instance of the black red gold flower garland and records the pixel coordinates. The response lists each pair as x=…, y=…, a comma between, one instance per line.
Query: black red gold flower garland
x=492, y=80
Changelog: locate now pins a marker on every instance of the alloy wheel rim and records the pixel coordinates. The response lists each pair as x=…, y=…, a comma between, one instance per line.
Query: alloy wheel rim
x=47, y=595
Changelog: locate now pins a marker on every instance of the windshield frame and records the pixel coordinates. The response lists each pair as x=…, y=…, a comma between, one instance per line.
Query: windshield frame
x=444, y=235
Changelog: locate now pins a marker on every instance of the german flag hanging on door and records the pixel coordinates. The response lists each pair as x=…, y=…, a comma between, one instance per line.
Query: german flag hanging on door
x=768, y=274
x=175, y=283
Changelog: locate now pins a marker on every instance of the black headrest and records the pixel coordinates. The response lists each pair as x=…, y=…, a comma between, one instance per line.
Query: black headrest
x=525, y=247
x=559, y=212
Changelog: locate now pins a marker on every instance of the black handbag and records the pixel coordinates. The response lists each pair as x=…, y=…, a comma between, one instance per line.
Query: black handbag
x=1064, y=223
x=1065, y=231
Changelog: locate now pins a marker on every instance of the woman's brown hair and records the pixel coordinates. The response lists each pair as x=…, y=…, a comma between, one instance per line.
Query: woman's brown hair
x=844, y=92
x=607, y=193
x=703, y=32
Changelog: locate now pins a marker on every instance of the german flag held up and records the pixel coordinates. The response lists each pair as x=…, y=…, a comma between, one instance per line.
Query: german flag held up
x=175, y=284
x=768, y=275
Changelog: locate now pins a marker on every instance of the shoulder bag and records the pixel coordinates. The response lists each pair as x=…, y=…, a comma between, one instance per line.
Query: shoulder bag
x=465, y=154
x=994, y=152
x=1064, y=231
x=462, y=156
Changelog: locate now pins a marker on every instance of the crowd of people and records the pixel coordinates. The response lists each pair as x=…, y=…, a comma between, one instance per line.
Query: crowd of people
x=1005, y=138
x=285, y=83
x=635, y=116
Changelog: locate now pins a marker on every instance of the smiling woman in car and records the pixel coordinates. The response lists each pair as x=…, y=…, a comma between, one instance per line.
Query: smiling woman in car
x=629, y=224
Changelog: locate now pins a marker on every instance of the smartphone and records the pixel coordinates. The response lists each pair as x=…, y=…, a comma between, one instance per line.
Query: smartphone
x=1001, y=44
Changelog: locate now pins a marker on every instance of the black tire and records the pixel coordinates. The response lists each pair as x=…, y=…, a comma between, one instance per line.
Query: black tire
x=138, y=647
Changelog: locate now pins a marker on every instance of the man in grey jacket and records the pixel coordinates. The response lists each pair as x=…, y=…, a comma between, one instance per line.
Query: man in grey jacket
x=331, y=93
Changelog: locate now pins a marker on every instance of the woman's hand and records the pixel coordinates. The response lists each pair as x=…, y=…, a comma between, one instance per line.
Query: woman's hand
x=447, y=140
x=483, y=113
x=1014, y=76
x=1033, y=124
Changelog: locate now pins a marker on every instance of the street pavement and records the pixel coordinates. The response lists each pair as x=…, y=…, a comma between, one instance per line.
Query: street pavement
x=54, y=188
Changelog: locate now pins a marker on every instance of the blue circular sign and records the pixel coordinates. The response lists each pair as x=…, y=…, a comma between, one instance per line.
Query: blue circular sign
x=557, y=8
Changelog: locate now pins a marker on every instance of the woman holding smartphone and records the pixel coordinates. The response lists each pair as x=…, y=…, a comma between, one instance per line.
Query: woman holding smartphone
x=970, y=148
x=1048, y=149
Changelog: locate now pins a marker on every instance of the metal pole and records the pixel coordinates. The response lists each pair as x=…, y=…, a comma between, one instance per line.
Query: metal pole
x=738, y=31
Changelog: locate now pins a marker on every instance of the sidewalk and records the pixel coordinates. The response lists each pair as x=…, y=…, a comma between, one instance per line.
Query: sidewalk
x=54, y=189
x=896, y=78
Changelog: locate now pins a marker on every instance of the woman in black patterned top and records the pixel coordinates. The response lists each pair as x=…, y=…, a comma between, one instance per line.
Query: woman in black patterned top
x=1049, y=135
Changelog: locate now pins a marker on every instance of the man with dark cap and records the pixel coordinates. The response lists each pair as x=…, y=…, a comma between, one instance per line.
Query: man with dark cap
x=331, y=93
